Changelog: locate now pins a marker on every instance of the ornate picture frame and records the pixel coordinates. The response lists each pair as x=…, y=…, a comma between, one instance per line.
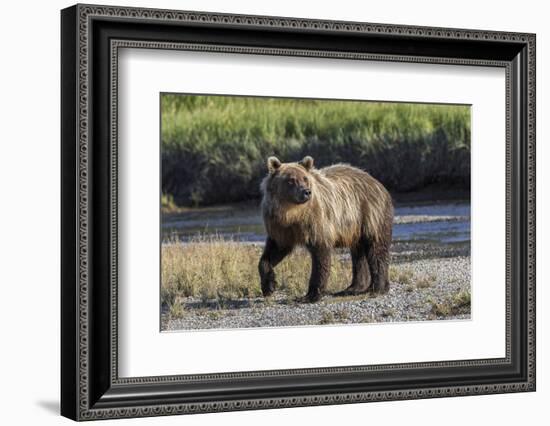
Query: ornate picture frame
x=91, y=37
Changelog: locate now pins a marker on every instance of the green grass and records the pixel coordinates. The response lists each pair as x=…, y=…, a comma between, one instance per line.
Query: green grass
x=167, y=203
x=214, y=148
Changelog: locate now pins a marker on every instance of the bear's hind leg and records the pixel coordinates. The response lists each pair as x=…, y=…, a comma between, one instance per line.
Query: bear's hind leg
x=271, y=257
x=378, y=256
x=361, y=280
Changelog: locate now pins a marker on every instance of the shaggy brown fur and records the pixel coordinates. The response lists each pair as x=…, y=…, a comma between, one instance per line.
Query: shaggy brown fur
x=321, y=209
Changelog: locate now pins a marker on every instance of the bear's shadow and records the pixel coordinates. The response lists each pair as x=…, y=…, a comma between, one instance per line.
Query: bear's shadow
x=235, y=304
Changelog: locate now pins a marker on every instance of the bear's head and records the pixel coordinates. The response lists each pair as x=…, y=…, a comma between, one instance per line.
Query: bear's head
x=290, y=182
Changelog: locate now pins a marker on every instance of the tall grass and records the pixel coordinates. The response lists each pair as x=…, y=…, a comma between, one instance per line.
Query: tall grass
x=212, y=268
x=214, y=147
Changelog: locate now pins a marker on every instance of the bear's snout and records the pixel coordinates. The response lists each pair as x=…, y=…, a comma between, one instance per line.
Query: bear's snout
x=305, y=195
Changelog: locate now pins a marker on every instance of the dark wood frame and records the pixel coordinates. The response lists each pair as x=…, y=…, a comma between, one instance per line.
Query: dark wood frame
x=90, y=386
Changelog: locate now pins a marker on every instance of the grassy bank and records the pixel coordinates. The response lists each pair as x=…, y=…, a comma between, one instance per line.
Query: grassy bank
x=214, y=148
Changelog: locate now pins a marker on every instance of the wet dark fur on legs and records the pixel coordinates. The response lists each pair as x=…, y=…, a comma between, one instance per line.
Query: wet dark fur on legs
x=271, y=257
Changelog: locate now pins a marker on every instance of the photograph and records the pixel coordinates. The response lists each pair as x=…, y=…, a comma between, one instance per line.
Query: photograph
x=286, y=212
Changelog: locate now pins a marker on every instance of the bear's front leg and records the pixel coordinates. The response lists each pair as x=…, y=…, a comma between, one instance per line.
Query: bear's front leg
x=320, y=272
x=271, y=257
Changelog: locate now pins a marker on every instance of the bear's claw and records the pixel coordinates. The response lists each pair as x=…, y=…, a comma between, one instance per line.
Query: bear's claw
x=310, y=298
x=351, y=291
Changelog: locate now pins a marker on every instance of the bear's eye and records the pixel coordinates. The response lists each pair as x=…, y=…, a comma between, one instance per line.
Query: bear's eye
x=305, y=179
x=290, y=182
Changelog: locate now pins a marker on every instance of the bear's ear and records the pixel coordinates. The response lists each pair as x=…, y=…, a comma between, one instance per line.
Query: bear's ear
x=306, y=163
x=273, y=164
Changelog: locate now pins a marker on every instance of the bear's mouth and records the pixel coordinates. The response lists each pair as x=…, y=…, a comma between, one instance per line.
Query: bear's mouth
x=303, y=199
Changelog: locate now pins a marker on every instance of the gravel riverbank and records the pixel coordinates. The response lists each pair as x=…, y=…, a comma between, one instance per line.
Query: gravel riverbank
x=422, y=289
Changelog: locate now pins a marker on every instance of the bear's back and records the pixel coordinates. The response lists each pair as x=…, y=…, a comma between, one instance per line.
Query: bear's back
x=348, y=175
x=341, y=170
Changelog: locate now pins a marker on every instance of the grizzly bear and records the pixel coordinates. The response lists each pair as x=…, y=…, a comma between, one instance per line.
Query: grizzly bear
x=339, y=206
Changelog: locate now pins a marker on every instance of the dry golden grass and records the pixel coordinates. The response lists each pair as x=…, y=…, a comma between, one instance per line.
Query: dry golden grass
x=458, y=303
x=214, y=268
x=406, y=276
x=401, y=275
x=425, y=281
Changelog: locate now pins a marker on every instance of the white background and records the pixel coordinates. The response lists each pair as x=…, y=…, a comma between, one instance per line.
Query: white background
x=143, y=351
x=29, y=229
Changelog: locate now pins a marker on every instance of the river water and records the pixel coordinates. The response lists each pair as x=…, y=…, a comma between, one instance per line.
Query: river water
x=436, y=223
